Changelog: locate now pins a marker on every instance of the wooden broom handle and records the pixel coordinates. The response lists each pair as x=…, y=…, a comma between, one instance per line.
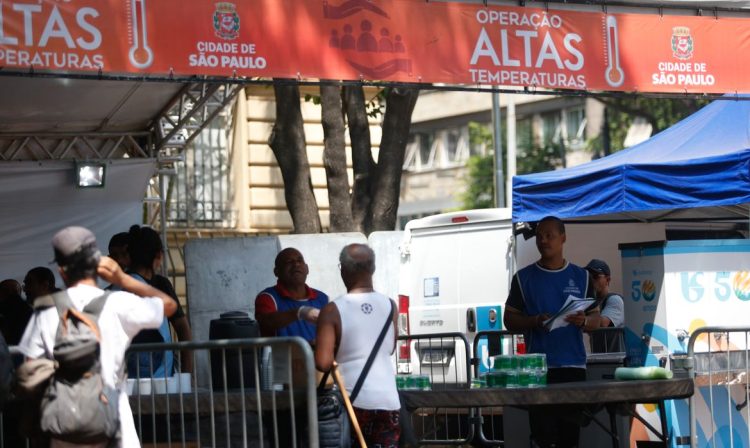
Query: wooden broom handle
x=348, y=404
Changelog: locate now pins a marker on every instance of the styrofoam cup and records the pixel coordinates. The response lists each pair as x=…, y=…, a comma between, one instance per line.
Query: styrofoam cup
x=144, y=386
x=130, y=386
x=185, y=383
x=159, y=385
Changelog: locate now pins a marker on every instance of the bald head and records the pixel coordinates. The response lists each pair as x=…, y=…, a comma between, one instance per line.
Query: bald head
x=357, y=266
x=290, y=268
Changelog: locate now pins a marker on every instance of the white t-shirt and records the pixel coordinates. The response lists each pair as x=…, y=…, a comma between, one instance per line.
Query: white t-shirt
x=614, y=310
x=362, y=318
x=123, y=316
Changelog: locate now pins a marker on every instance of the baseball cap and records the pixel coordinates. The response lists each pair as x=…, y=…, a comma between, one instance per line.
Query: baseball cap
x=69, y=242
x=598, y=267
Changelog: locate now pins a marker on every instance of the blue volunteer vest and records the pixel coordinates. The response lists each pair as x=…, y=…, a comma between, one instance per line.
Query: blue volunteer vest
x=299, y=328
x=545, y=291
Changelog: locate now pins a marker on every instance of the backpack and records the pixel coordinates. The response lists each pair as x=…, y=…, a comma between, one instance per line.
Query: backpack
x=77, y=406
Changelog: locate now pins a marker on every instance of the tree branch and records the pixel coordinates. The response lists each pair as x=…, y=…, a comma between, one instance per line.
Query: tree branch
x=287, y=140
x=400, y=104
x=334, y=159
x=362, y=162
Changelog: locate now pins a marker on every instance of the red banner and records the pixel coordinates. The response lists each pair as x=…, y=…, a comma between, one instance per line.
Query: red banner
x=378, y=40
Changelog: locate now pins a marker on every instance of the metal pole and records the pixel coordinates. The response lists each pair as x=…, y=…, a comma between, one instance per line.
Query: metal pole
x=497, y=144
x=510, y=131
x=163, y=217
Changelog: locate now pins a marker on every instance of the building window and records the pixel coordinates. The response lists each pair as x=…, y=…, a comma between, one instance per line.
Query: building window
x=438, y=149
x=419, y=151
x=200, y=194
x=524, y=134
x=551, y=129
x=575, y=127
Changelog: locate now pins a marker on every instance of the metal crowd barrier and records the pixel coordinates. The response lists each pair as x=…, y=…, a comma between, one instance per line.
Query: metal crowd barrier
x=258, y=392
x=718, y=360
x=446, y=359
x=489, y=421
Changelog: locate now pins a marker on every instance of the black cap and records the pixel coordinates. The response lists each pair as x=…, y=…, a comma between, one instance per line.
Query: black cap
x=72, y=241
x=598, y=267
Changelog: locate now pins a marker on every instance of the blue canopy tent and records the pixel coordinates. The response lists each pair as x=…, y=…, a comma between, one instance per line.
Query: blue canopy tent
x=697, y=170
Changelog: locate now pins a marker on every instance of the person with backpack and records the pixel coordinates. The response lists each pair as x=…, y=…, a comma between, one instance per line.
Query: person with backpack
x=89, y=348
x=612, y=308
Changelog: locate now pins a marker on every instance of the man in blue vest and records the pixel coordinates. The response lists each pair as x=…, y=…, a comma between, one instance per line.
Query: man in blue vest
x=537, y=292
x=290, y=308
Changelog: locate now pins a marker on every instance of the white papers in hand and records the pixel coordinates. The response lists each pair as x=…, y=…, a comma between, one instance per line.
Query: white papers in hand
x=571, y=306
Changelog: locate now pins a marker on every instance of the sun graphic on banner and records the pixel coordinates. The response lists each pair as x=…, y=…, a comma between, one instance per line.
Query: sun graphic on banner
x=649, y=290
x=741, y=285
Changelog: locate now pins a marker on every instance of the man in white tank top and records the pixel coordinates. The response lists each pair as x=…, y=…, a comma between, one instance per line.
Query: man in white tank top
x=347, y=330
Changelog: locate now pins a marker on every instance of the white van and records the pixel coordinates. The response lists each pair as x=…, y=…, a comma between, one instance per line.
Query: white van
x=455, y=273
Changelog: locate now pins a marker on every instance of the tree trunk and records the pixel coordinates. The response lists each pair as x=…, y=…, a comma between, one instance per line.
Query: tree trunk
x=362, y=162
x=334, y=159
x=387, y=183
x=287, y=141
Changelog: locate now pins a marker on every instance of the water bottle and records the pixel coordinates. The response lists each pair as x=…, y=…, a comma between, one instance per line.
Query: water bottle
x=266, y=368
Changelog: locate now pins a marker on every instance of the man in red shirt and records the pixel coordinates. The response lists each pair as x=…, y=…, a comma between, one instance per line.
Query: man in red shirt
x=290, y=308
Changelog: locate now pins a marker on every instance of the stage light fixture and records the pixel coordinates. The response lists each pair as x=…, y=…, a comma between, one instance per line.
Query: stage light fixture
x=90, y=174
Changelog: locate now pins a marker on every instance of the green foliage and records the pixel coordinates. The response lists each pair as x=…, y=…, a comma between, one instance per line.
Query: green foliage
x=480, y=180
x=661, y=113
x=536, y=158
x=480, y=176
x=375, y=106
x=315, y=99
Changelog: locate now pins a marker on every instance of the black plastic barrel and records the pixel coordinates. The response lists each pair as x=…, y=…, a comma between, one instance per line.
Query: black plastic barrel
x=234, y=325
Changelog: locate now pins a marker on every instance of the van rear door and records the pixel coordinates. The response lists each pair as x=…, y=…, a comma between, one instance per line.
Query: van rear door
x=459, y=265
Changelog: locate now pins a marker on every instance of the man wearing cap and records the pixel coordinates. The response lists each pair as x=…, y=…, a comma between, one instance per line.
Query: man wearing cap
x=612, y=308
x=125, y=313
x=537, y=292
x=290, y=308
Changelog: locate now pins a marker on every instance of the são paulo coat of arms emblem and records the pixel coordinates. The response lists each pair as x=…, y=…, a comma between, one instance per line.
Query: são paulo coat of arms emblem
x=226, y=21
x=682, y=42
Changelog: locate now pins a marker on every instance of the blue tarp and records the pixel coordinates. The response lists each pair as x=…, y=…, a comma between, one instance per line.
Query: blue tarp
x=697, y=169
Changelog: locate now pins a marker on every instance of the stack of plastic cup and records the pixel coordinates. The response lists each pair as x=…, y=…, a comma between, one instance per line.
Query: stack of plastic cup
x=526, y=374
x=539, y=368
x=413, y=382
x=400, y=382
x=518, y=371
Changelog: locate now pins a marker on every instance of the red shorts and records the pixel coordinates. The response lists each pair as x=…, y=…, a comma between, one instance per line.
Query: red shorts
x=381, y=429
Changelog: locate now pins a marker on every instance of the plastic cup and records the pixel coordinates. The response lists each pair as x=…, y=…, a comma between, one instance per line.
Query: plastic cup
x=496, y=379
x=502, y=362
x=541, y=378
x=526, y=378
x=423, y=382
x=525, y=361
x=515, y=361
x=411, y=382
x=512, y=380
x=400, y=382
x=478, y=383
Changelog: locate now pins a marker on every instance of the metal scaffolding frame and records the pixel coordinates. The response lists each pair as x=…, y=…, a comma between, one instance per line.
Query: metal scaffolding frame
x=190, y=111
x=164, y=138
x=79, y=146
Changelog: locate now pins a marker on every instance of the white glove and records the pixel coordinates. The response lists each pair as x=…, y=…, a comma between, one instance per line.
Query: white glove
x=308, y=314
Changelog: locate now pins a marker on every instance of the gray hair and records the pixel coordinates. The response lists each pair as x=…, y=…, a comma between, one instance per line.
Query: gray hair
x=357, y=258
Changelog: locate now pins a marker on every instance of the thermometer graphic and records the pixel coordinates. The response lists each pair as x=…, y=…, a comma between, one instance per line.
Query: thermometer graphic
x=614, y=74
x=140, y=54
